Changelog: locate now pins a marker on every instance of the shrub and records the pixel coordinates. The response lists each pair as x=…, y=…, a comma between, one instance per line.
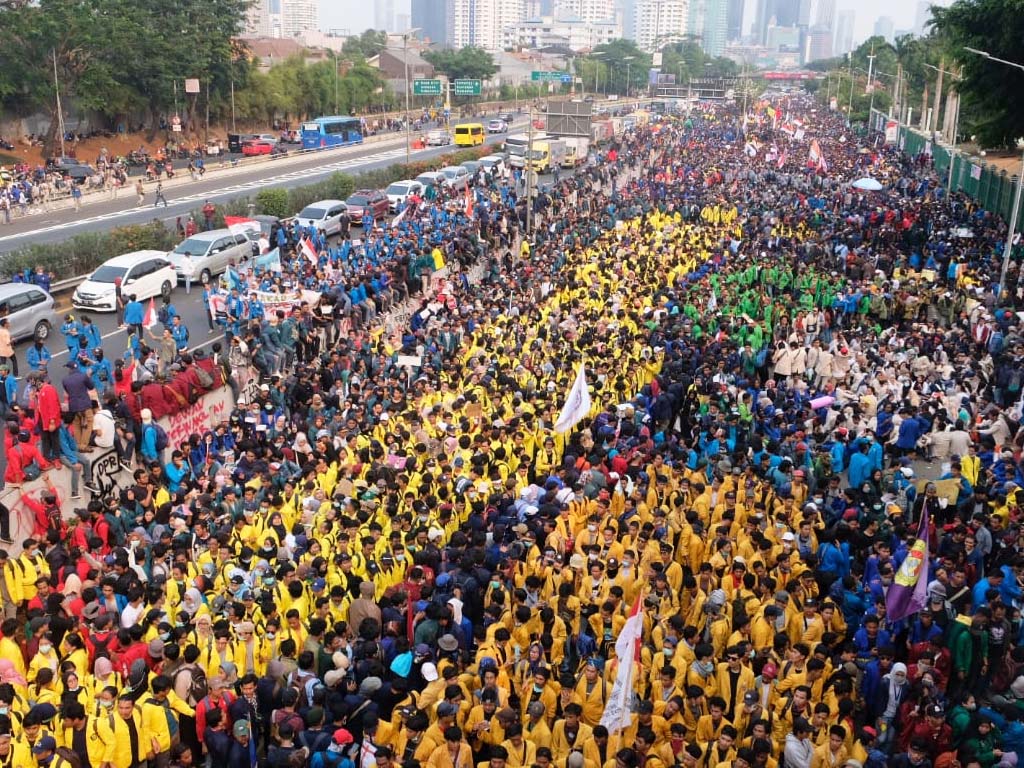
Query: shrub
x=273, y=202
x=342, y=185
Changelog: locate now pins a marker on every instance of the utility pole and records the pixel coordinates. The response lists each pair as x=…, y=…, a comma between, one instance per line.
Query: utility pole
x=528, y=171
x=60, y=110
x=405, y=56
x=937, y=107
x=849, y=109
x=871, y=81
x=233, y=129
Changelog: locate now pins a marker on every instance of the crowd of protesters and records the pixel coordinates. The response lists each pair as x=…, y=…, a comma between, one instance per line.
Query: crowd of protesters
x=390, y=557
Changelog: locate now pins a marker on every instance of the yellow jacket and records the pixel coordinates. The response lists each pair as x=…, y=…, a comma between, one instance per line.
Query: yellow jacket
x=100, y=741
x=156, y=719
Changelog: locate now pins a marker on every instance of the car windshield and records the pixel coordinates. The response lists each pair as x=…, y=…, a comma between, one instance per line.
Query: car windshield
x=358, y=200
x=398, y=189
x=107, y=274
x=310, y=212
x=451, y=173
x=428, y=180
x=193, y=246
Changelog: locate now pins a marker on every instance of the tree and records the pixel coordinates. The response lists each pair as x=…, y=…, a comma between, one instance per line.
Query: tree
x=463, y=64
x=620, y=59
x=991, y=91
x=366, y=46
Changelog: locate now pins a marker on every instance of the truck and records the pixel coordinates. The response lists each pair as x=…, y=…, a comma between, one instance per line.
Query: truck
x=515, y=147
x=576, y=150
x=546, y=154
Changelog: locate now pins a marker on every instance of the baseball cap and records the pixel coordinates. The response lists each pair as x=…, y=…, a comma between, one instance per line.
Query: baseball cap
x=342, y=737
x=46, y=744
x=935, y=711
x=750, y=697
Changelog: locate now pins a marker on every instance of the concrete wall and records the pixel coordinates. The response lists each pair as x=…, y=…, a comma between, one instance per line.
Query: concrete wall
x=107, y=474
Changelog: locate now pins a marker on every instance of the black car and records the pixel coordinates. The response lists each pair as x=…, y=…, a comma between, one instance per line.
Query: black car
x=236, y=140
x=506, y=116
x=79, y=173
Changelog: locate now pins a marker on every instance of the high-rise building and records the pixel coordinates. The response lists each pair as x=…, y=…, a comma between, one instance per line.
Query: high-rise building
x=384, y=15
x=657, y=22
x=708, y=20
x=734, y=19
x=844, y=33
x=431, y=16
x=885, y=28
x=299, y=16
x=625, y=12
x=819, y=44
x=567, y=32
x=587, y=10
x=263, y=19
x=480, y=22
x=825, y=15
x=804, y=14
x=778, y=13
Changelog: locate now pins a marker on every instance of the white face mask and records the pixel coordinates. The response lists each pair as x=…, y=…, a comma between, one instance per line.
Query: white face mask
x=45, y=648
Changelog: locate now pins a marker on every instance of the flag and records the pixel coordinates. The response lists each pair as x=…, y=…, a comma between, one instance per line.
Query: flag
x=815, y=158
x=909, y=591
x=400, y=217
x=577, y=404
x=150, y=318
x=218, y=306
x=618, y=715
x=469, y=203
x=268, y=262
x=234, y=280
x=308, y=250
x=782, y=160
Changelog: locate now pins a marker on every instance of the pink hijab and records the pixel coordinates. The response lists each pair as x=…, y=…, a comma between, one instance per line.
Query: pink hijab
x=8, y=674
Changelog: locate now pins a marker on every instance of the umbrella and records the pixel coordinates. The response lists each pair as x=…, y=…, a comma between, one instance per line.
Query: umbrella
x=867, y=184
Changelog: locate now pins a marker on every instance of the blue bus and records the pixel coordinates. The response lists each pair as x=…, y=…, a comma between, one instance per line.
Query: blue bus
x=338, y=131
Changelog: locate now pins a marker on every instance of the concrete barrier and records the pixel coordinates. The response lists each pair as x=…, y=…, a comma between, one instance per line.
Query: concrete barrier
x=107, y=473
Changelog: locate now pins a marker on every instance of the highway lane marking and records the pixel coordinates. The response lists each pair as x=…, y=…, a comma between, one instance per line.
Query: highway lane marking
x=229, y=190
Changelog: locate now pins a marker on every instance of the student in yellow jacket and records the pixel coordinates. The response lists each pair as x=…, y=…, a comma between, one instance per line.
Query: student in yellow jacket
x=95, y=734
x=160, y=718
x=14, y=754
x=128, y=718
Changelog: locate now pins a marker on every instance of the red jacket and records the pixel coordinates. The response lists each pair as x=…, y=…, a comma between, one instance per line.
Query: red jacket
x=207, y=705
x=19, y=456
x=48, y=408
x=42, y=515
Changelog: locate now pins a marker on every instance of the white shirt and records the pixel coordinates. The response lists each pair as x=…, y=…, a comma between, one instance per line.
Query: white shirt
x=188, y=267
x=103, y=423
x=130, y=615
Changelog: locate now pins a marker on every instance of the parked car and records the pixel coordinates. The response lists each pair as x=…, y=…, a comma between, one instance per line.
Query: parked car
x=508, y=117
x=79, y=174
x=291, y=136
x=400, y=191
x=456, y=177
x=472, y=166
x=367, y=199
x=438, y=138
x=266, y=137
x=235, y=141
x=28, y=307
x=324, y=214
x=258, y=147
x=431, y=179
x=62, y=163
x=212, y=252
x=144, y=274
x=493, y=163
x=497, y=126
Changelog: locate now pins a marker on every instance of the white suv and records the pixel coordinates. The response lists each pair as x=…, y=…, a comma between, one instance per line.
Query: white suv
x=324, y=214
x=144, y=274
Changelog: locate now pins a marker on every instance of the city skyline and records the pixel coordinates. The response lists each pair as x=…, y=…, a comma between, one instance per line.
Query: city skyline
x=354, y=16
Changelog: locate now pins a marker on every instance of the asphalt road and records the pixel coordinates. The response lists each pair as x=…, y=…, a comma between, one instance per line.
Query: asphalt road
x=285, y=173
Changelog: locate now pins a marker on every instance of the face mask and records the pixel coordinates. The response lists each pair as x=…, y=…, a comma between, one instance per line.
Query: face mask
x=968, y=707
x=707, y=667
x=627, y=564
x=495, y=585
x=592, y=528
x=3, y=710
x=667, y=651
x=400, y=558
x=106, y=704
x=271, y=635
x=45, y=648
x=537, y=689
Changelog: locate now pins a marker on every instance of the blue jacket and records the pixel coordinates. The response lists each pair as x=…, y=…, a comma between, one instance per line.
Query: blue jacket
x=174, y=475
x=148, y=447
x=11, y=388
x=134, y=313
x=37, y=358
x=68, y=446
x=860, y=469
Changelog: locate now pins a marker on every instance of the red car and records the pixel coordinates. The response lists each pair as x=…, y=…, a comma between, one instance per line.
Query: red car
x=257, y=147
x=367, y=200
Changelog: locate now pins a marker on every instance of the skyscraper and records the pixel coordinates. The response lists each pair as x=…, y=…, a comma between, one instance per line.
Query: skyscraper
x=480, y=22
x=656, y=22
x=779, y=13
x=734, y=19
x=708, y=20
x=587, y=10
x=299, y=16
x=384, y=15
x=825, y=15
x=844, y=33
x=431, y=16
x=885, y=28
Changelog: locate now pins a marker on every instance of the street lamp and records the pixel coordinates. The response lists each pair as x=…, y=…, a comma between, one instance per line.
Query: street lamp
x=1012, y=231
x=627, y=59
x=408, y=87
x=956, y=126
x=597, y=67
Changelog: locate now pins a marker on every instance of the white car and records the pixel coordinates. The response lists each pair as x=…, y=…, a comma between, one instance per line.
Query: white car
x=494, y=164
x=400, y=191
x=455, y=176
x=324, y=214
x=437, y=138
x=143, y=274
x=431, y=179
x=213, y=251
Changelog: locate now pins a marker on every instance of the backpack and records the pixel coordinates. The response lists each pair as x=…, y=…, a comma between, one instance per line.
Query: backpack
x=138, y=677
x=199, y=686
x=102, y=647
x=161, y=437
x=69, y=756
x=163, y=316
x=204, y=377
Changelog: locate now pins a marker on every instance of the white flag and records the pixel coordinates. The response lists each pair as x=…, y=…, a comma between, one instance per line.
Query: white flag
x=577, y=404
x=399, y=218
x=618, y=712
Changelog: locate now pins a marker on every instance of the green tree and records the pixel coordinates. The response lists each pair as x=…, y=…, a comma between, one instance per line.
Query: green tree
x=620, y=59
x=991, y=91
x=463, y=64
x=366, y=45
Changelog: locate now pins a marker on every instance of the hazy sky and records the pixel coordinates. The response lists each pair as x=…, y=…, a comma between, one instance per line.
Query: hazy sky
x=357, y=15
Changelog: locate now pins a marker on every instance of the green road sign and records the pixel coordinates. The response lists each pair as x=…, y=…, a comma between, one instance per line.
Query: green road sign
x=538, y=76
x=466, y=88
x=426, y=87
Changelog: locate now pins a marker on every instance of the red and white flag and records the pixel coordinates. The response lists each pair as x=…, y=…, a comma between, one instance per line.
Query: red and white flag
x=400, y=217
x=815, y=157
x=618, y=712
x=149, y=320
x=469, y=203
x=308, y=250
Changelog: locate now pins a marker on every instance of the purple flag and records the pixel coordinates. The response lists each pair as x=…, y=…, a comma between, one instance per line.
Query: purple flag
x=909, y=591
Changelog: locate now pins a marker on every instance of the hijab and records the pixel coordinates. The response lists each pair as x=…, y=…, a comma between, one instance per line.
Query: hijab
x=896, y=689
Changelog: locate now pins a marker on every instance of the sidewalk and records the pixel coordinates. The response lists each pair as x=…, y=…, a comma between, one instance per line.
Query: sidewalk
x=218, y=167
